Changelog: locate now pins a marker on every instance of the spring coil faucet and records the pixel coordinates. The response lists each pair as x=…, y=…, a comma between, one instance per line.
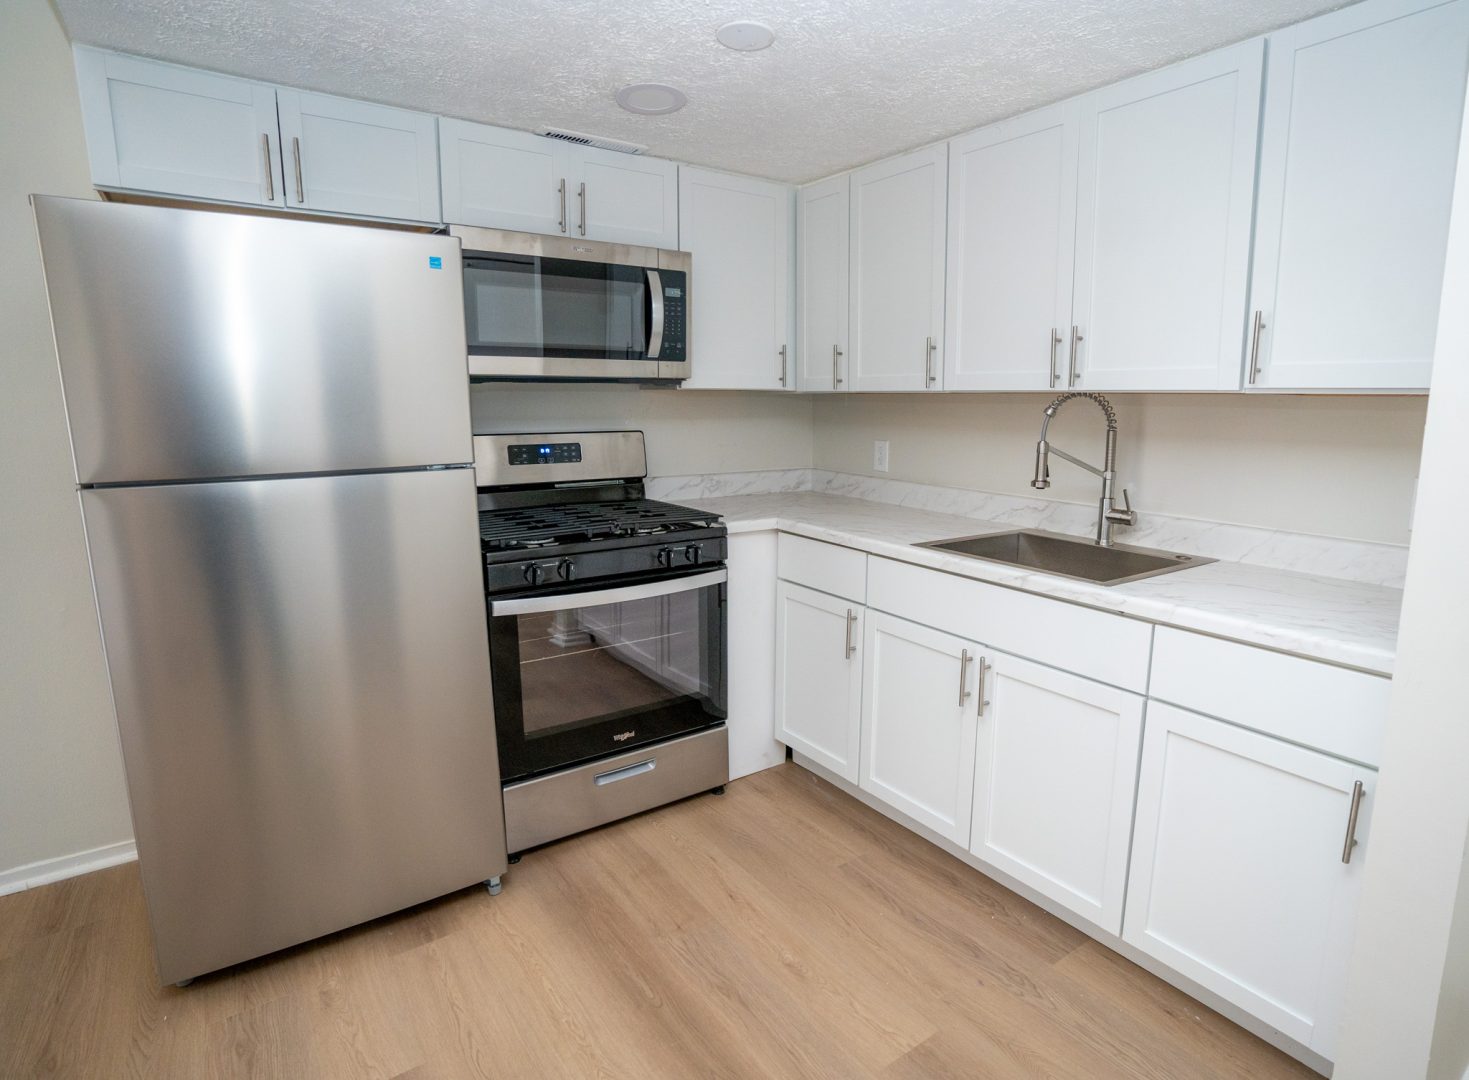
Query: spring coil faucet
x=1107, y=513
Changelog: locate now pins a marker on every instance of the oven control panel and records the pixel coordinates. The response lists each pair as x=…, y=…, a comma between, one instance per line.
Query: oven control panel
x=544, y=453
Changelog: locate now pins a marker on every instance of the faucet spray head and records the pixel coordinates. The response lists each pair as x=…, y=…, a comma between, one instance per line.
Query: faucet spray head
x=1042, y=466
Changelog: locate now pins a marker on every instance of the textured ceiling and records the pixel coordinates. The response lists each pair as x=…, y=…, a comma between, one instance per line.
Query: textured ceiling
x=846, y=82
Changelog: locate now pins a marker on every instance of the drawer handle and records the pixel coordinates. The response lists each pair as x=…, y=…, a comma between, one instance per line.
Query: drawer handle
x=1358, y=791
x=637, y=768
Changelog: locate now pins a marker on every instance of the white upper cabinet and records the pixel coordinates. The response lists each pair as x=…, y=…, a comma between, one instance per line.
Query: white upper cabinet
x=503, y=179
x=1244, y=873
x=897, y=272
x=1012, y=234
x=1055, y=774
x=1357, y=162
x=918, y=722
x=353, y=157
x=739, y=232
x=1163, y=226
x=160, y=128
x=822, y=234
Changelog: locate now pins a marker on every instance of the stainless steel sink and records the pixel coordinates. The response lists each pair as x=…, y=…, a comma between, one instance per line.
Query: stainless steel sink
x=1069, y=556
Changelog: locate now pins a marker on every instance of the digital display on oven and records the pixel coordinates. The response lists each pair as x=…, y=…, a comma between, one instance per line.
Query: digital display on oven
x=544, y=453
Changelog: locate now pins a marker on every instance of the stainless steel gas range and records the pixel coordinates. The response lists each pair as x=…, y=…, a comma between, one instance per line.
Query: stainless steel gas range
x=607, y=633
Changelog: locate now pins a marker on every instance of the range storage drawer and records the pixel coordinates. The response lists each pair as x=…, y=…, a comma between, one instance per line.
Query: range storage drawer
x=1334, y=709
x=827, y=568
x=1109, y=648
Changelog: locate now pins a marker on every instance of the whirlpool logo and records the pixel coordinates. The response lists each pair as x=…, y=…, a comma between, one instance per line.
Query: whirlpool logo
x=624, y=736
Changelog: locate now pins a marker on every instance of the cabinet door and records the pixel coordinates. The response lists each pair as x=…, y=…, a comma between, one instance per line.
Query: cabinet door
x=1055, y=773
x=896, y=294
x=822, y=234
x=1357, y=163
x=1237, y=876
x=1163, y=225
x=621, y=198
x=353, y=157
x=501, y=179
x=1012, y=242
x=739, y=232
x=751, y=680
x=818, y=676
x=918, y=722
x=166, y=129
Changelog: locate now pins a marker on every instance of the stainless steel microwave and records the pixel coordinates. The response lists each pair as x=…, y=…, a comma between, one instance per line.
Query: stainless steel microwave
x=554, y=307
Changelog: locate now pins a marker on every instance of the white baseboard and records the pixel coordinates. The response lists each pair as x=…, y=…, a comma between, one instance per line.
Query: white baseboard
x=66, y=866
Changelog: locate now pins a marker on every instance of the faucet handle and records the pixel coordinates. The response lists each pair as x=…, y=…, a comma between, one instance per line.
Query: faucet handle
x=1125, y=516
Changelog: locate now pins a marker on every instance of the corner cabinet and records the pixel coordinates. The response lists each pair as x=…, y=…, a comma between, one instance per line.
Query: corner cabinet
x=165, y=130
x=818, y=676
x=1246, y=867
x=1167, y=174
x=739, y=233
x=896, y=289
x=1357, y=162
x=1011, y=247
x=502, y=179
x=823, y=233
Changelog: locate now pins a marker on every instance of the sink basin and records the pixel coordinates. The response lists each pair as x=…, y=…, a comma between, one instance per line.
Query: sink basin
x=1069, y=556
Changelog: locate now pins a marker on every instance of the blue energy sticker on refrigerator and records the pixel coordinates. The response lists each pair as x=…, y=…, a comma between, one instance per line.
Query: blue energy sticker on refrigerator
x=435, y=262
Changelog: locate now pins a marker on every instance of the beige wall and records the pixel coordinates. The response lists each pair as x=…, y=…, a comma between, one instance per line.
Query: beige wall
x=1335, y=466
x=61, y=788
x=689, y=431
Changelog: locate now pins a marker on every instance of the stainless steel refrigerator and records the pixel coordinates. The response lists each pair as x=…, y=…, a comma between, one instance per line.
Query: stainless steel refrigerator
x=270, y=425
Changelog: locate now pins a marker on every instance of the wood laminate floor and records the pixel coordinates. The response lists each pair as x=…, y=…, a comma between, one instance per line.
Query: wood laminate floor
x=783, y=930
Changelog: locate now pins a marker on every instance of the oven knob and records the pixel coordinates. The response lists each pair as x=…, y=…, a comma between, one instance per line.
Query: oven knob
x=692, y=553
x=533, y=573
x=566, y=569
x=665, y=557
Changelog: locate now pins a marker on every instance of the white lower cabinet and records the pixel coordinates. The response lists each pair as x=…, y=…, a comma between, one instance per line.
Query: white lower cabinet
x=918, y=722
x=1055, y=774
x=1239, y=878
x=750, y=681
x=818, y=676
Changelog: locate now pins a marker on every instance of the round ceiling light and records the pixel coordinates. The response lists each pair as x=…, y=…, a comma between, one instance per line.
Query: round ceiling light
x=745, y=36
x=651, y=99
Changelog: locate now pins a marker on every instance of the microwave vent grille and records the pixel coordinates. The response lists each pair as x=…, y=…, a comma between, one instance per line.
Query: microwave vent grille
x=582, y=139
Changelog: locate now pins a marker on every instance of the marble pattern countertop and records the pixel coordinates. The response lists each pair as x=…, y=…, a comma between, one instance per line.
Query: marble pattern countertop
x=1340, y=621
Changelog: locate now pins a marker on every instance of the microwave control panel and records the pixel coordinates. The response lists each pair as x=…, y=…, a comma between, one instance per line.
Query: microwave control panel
x=675, y=321
x=544, y=453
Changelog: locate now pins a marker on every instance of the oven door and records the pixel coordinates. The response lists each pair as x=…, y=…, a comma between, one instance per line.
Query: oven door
x=535, y=316
x=581, y=675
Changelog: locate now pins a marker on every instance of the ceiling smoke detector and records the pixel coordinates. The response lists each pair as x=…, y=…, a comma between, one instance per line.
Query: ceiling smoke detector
x=651, y=99
x=745, y=36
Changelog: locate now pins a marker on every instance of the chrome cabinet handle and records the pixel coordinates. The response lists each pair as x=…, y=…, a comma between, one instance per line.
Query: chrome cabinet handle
x=979, y=686
x=1259, y=325
x=1076, y=339
x=963, y=677
x=1055, y=341
x=296, y=152
x=1358, y=791
x=851, y=622
x=269, y=178
x=928, y=364
x=782, y=365
x=561, y=188
x=581, y=194
x=836, y=367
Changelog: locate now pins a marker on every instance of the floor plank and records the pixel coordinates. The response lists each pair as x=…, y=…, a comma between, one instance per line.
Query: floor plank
x=783, y=930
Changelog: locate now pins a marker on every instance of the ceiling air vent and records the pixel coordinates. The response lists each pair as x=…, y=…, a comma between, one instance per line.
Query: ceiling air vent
x=591, y=140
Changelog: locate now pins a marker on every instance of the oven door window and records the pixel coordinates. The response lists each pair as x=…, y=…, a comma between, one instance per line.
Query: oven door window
x=528, y=306
x=582, y=682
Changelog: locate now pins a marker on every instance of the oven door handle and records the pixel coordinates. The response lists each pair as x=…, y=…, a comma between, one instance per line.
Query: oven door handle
x=534, y=605
x=655, y=322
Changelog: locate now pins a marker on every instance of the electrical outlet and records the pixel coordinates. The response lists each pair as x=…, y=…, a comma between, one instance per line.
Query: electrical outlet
x=880, y=455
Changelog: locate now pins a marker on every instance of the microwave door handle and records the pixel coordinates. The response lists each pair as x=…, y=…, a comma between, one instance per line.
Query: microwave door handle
x=536, y=605
x=655, y=320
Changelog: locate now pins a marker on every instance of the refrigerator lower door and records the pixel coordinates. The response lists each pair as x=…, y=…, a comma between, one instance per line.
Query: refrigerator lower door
x=302, y=686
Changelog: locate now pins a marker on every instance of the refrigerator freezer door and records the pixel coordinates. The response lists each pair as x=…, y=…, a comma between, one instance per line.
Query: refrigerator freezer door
x=196, y=345
x=302, y=684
